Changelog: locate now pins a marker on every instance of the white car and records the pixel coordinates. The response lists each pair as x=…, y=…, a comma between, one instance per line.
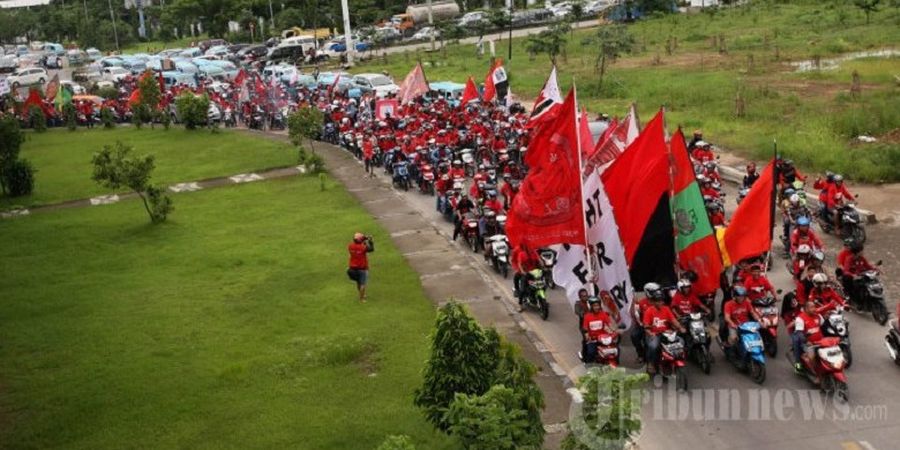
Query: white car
x=380, y=84
x=425, y=34
x=29, y=75
x=473, y=17
x=73, y=87
x=115, y=74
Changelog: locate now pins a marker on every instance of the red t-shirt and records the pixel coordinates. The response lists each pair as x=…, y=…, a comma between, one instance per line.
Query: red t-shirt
x=809, y=325
x=658, y=319
x=739, y=313
x=596, y=323
x=358, y=259
x=757, y=287
x=685, y=304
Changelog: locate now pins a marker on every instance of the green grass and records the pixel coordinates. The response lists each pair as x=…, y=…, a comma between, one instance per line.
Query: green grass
x=804, y=112
x=156, y=46
x=232, y=325
x=63, y=158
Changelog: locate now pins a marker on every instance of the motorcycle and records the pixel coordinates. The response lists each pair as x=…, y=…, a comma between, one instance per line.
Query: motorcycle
x=401, y=175
x=470, y=231
x=499, y=246
x=426, y=181
x=535, y=295
x=849, y=223
x=868, y=295
x=468, y=162
x=229, y=119
x=892, y=342
x=836, y=326
x=747, y=353
x=607, y=350
x=672, y=358
x=697, y=340
x=768, y=313
x=547, y=260
x=826, y=369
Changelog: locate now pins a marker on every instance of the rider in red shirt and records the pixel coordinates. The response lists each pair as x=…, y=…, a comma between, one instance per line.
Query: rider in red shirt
x=802, y=234
x=685, y=301
x=595, y=324
x=757, y=284
x=657, y=319
x=807, y=330
x=359, y=262
x=823, y=295
x=738, y=311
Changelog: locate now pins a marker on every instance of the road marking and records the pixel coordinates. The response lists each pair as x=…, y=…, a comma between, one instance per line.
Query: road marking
x=104, y=200
x=866, y=445
x=15, y=213
x=301, y=168
x=245, y=178
x=185, y=187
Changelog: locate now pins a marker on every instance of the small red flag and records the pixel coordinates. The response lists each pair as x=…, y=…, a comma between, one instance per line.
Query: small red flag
x=469, y=93
x=750, y=232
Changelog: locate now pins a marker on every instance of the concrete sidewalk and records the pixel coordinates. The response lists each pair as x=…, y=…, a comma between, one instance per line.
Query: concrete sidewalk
x=447, y=271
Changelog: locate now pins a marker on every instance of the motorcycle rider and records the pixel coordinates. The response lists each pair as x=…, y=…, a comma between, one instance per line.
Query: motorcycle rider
x=596, y=322
x=853, y=264
x=582, y=307
x=657, y=318
x=488, y=226
x=638, y=309
x=696, y=138
x=463, y=207
x=707, y=189
x=715, y=213
x=756, y=284
x=838, y=194
x=508, y=190
x=801, y=261
x=807, y=332
x=524, y=260
x=737, y=311
x=751, y=176
x=492, y=204
x=685, y=301
x=802, y=234
x=703, y=152
x=792, y=210
x=823, y=295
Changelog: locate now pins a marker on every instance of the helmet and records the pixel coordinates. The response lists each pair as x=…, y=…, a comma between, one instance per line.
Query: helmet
x=838, y=178
x=819, y=255
x=740, y=291
x=803, y=249
x=803, y=221
x=701, y=143
x=653, y=291
x=592, y=300
x=788, y=163
x=820, y=278
x=789, y=192
x=795, y=199
x=683, y=283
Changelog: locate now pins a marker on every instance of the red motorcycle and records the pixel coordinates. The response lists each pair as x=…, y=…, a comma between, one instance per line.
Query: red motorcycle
x=826, y=368
x=768, y=314
x=426, y=183
x=672, y=358
x=470, y=231
x=607, y=350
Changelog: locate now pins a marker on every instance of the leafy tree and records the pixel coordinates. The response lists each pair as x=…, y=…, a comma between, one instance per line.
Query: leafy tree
x=463, y=361
x=609, y=413
x=290, y=17
x=398, y=442
x=213, y=14
x=493, y=421
x=611, y=42
x=115, y=168
x=576, y=14
x=106, y=116
x=69, y=116
x=550, y=41
x=499, y=18
x=108, y=92
x=36, y=119
x=306, y=123
x=515, y=372
x=149, y=97
x=867, y=6
x=16, y=175
x=192, y=109
x=450, y=31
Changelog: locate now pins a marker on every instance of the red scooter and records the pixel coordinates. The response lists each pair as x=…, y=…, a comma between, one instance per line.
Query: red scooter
x=607, y=350
x=672, y=358
x=826, y=368
x=768, y=314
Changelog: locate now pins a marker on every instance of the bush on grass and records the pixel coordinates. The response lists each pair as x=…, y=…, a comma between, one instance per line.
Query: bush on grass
x=18, y=178
x=397, y=442
x=192, y=109
x=36, y=119
x=107, y=117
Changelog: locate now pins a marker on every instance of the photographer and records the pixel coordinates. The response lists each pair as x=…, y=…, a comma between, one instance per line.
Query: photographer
x=359, y=262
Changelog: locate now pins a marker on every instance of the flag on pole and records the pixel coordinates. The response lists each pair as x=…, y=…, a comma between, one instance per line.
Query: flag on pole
x=385, y=107
x=469, y=93
x=414, y=85
x=52, y=88
x=695, y=241
x=750, y=232
x=496, y=83
x=617, y=141
x=63, y=97
x=547, y=210
x=637, y=183
x=547, y=104
x=584, y=129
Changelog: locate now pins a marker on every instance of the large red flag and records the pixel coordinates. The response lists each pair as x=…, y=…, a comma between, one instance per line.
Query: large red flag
x=496, y=83
x=750, y=232
x=548, y=208
x=635, y=182
x=414, y=85
x=469, y=93
x=695, y=240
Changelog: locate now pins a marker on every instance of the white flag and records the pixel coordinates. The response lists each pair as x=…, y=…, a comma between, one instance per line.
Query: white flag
x=609, y=271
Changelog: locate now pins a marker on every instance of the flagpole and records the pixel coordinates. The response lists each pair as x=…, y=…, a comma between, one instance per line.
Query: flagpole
x=772, y=200
x=584, y=226
x=671, y=188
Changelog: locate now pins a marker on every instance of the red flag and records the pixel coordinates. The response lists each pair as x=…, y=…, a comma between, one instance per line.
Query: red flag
x=587, y=140
x=239, y=78
x=469, y=93
x=750, y=232
x=635, y=182
x=547, y=104
x=607, y=134
x=34, y=98
x=695, y=239
x=134, y=98
x=548, y=208
x=496, y=83
x=386, y=106
x=413, y=85
x=260, y=88
x=618, y=140
x=162, y=83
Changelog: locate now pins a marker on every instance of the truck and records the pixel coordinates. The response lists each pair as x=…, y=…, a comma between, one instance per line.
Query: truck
x=318, y=34
x=416, y=16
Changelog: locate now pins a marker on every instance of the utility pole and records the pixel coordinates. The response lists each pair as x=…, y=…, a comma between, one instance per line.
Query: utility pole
x=348, y=41
x=113, y=17
x=510, y=4
x=271, y=15
x=431, y=24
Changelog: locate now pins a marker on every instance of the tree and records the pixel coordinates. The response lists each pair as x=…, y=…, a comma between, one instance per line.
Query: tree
x=463, y=360
x=306, y=123
x=493, y=421
x=611, y=42
x=192, y=109
x=290, y=17
x=868, y=6
x=550, y=41
x=149, y=97
x=16, y=175
x=576, y=14
x=609, y=414
x=500, y=19
x=115, y=168
x=213, y=14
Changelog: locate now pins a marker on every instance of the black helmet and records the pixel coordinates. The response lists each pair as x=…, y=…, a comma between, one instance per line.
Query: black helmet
x=593, y=300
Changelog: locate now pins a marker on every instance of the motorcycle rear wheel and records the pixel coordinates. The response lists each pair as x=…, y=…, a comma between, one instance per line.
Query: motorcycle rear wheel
x=879, y=312
x=681, y=381
x=757, y=372
x=848, y=355
x=505, y=271
x=545, y=308
x=704, y=359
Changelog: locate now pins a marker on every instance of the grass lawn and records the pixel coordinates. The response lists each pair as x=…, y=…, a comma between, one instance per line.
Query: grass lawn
x=63, y=158
x=232, y=325
x=812, y=115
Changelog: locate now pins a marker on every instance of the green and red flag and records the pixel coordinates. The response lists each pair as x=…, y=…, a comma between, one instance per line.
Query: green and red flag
x=695, y=242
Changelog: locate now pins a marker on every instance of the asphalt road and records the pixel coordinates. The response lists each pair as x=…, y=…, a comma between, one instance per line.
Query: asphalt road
x=726, y=409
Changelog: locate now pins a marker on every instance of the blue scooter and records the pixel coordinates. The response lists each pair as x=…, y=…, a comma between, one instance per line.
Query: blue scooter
x=748, y=354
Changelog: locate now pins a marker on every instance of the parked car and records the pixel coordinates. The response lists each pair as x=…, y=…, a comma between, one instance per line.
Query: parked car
x=93, y=54
x=56, y=49
x=72, y=87
x=28, y=76
x=594, y=7
x=205, y=45
x=8, y=63
x=472, y=18
x=380, y=84
x=115, y=74
x=255, y=51
x=387, y=35
x=288, y=53
x=173, y=77
x=425, y=34
x=76, y=57
x=87, y=74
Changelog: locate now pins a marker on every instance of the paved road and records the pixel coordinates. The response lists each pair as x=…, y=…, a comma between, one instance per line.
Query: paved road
x=873, y=390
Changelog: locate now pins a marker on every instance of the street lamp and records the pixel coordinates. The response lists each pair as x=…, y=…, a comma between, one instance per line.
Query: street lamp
x=113, y=17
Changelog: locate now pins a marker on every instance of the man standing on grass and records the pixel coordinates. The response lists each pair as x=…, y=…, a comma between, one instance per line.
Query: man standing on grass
x=359, y=262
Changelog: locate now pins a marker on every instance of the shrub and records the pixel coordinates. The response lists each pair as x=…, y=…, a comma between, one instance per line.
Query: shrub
x=69, y=116
x=106, y=116
x=18, y=178
x=192, y=109
x=11, y=139
x=492, y=421
x=397, y=442
x=108, y=92
x=36, y=119
x=115, y=168
x=608, y=413
x=305, y=123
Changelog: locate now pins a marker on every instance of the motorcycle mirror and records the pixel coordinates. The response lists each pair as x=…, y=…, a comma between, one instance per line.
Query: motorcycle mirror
x=778, y=291
x=878, y=263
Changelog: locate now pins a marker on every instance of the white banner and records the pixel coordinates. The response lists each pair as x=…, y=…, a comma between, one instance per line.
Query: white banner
x=4, y=87
x=610, y=271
